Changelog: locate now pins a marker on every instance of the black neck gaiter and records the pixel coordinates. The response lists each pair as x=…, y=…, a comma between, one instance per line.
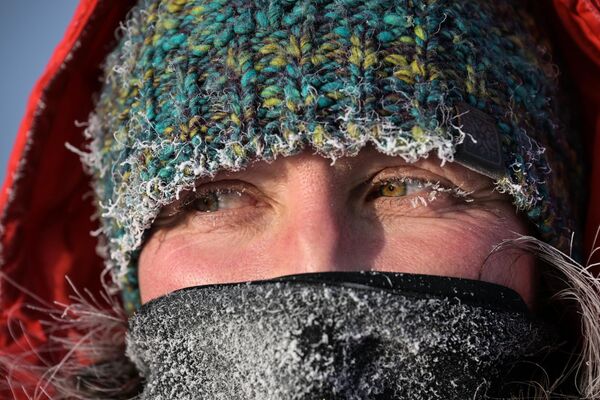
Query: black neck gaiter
x=339, y=335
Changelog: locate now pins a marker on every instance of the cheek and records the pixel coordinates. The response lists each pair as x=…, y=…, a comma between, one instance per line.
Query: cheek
x=433, y=249
x=444, y=246
x=456, y=244
x=459, y=246
x=177, y=261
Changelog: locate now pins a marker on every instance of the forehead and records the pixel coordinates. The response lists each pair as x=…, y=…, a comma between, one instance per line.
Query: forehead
x=367, y=162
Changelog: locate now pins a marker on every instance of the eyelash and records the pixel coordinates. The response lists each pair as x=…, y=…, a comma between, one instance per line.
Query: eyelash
x=435, y=188
x=174, y=213
x=189, y=204
x=186, y=204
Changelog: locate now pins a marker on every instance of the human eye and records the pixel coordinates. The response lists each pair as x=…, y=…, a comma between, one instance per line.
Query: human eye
x=220, y=199
x=413, y=191
x=398, y=187
x=222, y=202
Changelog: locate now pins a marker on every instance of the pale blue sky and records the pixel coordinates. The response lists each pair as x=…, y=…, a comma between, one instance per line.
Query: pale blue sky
x=29, y=31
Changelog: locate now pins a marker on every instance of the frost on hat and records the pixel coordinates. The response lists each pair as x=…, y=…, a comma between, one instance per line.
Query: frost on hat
x=200, y=86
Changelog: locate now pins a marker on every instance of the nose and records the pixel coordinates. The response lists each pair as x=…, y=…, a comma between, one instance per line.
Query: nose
x=311, y=229
x=315, y=240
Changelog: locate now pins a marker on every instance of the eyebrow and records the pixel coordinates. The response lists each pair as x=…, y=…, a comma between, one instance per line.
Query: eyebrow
x=367, y=159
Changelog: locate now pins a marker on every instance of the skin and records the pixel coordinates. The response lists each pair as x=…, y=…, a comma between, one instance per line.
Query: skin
x=302, y=214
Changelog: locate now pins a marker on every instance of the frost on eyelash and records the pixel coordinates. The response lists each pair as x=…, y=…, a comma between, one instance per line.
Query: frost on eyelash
x=193, y=195
x=434, y=188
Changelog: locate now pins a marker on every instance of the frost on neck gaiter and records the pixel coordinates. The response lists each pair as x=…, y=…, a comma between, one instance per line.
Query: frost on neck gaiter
x=310, y=340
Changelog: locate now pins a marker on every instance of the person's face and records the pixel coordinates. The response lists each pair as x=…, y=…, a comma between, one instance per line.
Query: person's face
x=301, y=214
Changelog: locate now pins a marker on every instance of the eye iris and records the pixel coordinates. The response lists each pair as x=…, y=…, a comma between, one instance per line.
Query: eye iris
x=393, y=189
x=207, y=203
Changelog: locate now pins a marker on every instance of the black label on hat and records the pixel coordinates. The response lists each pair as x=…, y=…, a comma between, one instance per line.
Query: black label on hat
x=481, y=151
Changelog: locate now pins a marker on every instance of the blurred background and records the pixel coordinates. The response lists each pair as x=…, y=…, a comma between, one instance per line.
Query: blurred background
x=29, y=31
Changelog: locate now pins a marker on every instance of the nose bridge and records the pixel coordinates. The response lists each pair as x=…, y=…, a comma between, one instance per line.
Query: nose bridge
x=317, y=240
x=315, y=222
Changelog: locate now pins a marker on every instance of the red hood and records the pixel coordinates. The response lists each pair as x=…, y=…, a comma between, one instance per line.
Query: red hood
x=46, y=200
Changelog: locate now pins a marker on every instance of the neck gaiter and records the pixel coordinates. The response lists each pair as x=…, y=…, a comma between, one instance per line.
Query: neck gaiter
x=338, y=335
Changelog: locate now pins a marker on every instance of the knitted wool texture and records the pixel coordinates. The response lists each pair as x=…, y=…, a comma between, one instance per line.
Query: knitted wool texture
x=199, y=86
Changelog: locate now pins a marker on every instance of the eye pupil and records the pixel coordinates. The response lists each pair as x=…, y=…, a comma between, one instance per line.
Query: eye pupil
x=207, y=203
x=393, y=189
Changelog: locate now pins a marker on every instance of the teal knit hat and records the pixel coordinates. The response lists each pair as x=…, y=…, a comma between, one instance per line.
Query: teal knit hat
x=195, y=87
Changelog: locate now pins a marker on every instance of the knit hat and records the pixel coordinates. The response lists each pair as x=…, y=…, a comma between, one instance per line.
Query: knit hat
x=195, y=87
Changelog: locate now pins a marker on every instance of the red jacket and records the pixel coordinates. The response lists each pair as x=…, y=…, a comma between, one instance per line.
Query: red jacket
x=46, y=203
